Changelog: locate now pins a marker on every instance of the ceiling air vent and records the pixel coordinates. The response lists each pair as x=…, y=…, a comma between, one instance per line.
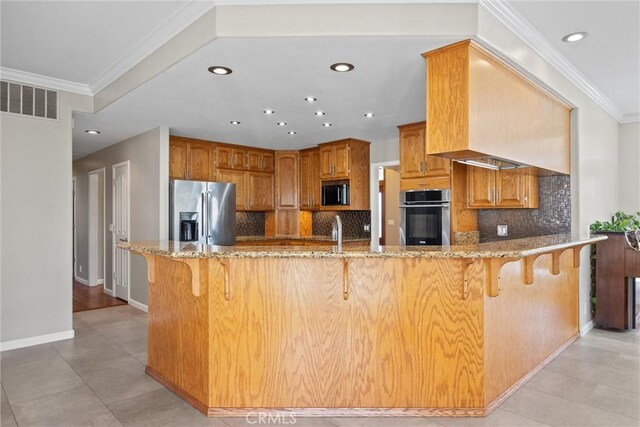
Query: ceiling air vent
x=28, y=100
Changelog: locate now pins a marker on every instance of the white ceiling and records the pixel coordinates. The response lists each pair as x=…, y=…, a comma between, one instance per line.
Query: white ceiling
x=85, y=41
x=609, y=56
x=276, y=73
x=77, y=40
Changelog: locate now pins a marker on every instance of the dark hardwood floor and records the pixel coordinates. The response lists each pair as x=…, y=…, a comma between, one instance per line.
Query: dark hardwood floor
x=92, y=297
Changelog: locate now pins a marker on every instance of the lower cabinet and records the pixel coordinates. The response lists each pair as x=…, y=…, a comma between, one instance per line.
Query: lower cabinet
x=254, y=190
x=491, y=189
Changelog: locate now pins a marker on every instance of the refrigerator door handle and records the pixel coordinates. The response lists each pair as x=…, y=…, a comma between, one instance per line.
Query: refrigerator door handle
x=208, y=198
x=203, y=207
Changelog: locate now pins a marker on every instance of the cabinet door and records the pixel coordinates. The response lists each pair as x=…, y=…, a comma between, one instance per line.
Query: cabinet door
x=260, y=189
x=178, y=160
x=306, y=171
x=412, y=152
x=287, y=180
x=341, y=161
x=239, y=178
x=438, y=166
x=239, y=158
x=513, y=189
x=201, y=161
x=480, y=187
x=254, y=160
x=326, y=162
x=268, y=162
x=223, y=157
x=314, y=181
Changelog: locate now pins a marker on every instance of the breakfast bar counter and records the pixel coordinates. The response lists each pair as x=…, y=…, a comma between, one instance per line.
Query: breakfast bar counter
x=395, y=331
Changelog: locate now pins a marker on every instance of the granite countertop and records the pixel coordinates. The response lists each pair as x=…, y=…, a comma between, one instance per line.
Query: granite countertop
x=516, y=248
x=306, y=238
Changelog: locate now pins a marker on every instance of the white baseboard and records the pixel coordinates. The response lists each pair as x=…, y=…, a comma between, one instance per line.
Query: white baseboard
x=109, y=292
x=135, y=304
x=81, y=280
x=40, y=339
x=586, y=328
x=100, y=282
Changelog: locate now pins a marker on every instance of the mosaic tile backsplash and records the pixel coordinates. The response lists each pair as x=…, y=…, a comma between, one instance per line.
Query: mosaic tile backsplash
x=553, y=215
x=353, y=223
x=250, y=223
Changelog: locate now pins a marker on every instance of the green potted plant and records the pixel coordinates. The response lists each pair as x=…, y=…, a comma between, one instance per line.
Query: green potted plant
x=620, y=223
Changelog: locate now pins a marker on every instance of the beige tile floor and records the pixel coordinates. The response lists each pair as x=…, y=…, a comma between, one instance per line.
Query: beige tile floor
x=98, y=379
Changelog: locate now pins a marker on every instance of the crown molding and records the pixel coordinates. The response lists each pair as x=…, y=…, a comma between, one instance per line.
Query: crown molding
x=44, y=81
x=630, y=118
x=163, y=33
x=508, y=16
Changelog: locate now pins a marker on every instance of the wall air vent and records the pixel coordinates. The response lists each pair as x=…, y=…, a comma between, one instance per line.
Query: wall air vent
x=28, y=100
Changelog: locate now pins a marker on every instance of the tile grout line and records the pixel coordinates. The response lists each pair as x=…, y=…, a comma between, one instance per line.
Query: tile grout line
x=83, y=380
x=13, y=415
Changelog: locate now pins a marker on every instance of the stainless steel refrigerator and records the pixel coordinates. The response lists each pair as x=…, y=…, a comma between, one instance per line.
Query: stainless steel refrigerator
x=202, y=212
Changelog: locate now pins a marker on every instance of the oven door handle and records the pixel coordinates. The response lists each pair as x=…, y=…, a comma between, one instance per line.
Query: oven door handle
x=424, y=206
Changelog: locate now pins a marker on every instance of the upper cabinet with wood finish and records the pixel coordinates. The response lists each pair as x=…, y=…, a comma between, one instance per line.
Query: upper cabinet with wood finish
x=490, y=189
x=191, y=159
x=414, y=161
x=335, y=159
x=310, y=187
x=231, y=157
x=287, y=180
x=478, y=105
x=259, y=160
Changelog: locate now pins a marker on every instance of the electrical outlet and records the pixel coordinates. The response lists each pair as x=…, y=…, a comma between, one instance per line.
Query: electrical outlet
x=503, y=230
x=80, y=268
x=391, y=222
x=367, y=227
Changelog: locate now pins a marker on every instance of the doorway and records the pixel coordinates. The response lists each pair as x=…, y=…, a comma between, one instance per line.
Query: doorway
x=75, y=243
x=96, y=236
x=385, y=212
x=120, y=224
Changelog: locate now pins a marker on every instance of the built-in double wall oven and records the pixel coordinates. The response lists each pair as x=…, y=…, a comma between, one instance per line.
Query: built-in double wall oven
x=425, y=217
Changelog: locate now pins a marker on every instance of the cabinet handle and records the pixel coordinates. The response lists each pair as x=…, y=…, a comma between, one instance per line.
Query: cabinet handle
x=525, y=199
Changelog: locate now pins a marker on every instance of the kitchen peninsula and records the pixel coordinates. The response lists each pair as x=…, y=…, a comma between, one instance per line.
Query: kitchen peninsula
x=438, y=331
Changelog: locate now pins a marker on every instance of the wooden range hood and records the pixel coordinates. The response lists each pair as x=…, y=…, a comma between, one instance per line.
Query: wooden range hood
x=482, y=110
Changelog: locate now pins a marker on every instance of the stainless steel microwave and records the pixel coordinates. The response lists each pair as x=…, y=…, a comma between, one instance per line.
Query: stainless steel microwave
x=335, y=194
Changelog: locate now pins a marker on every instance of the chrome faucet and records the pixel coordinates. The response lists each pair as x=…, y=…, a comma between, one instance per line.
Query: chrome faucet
x=336, y=231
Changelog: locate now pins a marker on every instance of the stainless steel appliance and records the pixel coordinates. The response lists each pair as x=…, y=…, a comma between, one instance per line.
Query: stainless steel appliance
x=335, y=194
x=203, y=212
x=425, y=217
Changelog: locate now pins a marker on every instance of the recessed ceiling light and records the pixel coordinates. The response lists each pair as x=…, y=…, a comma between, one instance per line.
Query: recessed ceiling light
x=92, y=132
x=326, y=125
x=220, y=70
x=310, y=99
x=282, y=124
x=342, y=67
x=234, y=122
x=269, y=112
x=292, y=132
x=319, y=113
x=369, y=115
x=574, y=37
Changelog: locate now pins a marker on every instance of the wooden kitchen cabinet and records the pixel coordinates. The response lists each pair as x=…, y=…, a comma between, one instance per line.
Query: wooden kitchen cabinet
x=310, y=187
x=260, y=186
x=201, y=161
x=414, y=161
x=178, y=154
x=191, y=159
x=260, y=161
x=287, y=180
x=511, y=188
x=334, y=160
x=231, y=157
x=238, y=178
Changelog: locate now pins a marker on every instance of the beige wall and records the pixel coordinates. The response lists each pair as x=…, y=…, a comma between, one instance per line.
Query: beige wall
x=629, y=167
x=391, y=207
x=36, y=225
x=149, y=169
